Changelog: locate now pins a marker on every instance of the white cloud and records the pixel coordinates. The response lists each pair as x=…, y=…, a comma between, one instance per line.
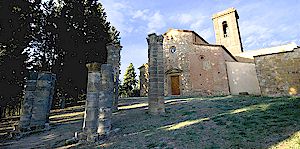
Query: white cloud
x=255, y=35
x=142, y=14
x=184, y=18
x=155, y=22
x=117, y=17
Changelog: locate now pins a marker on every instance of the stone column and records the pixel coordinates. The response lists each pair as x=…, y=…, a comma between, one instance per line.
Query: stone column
x=43, y=99
x=106, y=100
x=99, y=102
x=27, y=105
x=156, y=74
x=113, y=58
x=92, y=100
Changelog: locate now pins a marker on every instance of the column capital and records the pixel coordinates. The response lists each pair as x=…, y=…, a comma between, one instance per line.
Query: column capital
x=93, y=67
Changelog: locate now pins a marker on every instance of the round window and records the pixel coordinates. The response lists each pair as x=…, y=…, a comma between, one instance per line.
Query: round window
x=173, y=49
x=201, y=57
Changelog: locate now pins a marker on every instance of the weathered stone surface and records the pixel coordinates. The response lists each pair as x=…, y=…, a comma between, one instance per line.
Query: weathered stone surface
x=38, y=100
x=106, y=101
x=144, y=79
x=27, y=106
x=156, y=74
x=92, y=98
x=199, y=66
x=99, y=102
x=279, y=73
x=113, y=58
x=227, y=30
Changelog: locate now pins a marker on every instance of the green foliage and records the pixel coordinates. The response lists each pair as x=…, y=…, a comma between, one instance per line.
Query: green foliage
x=129, y=83
x=15, y=35
x=82, y=35
x=44, y=51
x=71, y=33
x=60, y=37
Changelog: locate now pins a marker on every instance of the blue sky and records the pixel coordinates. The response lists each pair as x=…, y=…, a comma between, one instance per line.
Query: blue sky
x=263, y=23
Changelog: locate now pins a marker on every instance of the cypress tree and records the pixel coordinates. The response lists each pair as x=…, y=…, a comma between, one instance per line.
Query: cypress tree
x=130, y=81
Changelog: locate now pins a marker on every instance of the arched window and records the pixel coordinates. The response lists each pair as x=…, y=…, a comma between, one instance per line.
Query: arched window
x=225, y=29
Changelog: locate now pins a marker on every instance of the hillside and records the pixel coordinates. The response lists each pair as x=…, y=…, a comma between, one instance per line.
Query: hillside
x=212, y=122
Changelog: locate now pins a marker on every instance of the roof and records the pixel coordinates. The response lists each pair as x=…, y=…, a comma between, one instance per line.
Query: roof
x=278, y=52
x=266, y=51
x=189, y=31
x=225, y=12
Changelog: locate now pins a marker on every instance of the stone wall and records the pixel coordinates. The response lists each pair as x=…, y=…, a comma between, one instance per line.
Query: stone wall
x=242, y=78
x=207, y=71
x=279, y=73
x=201, y=67
x=144, y=79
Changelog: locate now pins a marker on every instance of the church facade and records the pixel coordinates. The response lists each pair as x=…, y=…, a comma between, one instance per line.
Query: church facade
x=194, y=67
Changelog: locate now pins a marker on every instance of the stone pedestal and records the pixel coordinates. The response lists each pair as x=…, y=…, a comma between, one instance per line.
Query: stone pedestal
x=99, y=102
x=113, y=58
x=37, y=102
x=156, y=74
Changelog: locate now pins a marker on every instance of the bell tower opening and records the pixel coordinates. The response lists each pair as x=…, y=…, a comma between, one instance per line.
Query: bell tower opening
x=225, y=29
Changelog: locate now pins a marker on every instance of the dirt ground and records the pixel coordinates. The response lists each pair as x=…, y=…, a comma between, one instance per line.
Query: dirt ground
x=204, y=122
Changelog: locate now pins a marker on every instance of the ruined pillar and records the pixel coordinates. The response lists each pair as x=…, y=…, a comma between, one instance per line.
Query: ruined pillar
x=37, y=101
x=156, y=74
x=92, y=100
x=27, y=104
x=99, y=102
x=113, y=58
x=43, y=99
x=106, y=100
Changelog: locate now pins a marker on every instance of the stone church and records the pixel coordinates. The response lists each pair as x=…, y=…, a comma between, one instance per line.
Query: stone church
x=195, y=67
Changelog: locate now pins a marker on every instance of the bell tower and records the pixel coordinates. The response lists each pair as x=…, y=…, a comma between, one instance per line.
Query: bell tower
x=227, y=30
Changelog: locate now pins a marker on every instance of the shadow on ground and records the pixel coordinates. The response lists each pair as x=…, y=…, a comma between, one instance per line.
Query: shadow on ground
x=217, y=122
x=213, y=122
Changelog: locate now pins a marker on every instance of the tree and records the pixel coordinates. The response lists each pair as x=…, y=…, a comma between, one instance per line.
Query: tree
x=82, y=35
x=44, y=51
x=16, y=17
x=130, y=81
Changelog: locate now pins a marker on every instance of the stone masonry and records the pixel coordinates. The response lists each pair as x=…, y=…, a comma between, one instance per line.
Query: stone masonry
x=38, y=100
x=99, y=102
x=227, y=30
x=156, y=74
x=279, y=73
x=113, y=58
x=144, y=79
x=199, y=66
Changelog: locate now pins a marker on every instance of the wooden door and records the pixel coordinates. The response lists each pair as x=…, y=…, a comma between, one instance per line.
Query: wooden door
x=175, y=86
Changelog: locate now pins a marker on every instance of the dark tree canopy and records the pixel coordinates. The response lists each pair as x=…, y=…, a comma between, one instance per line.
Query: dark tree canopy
x=15, y=34
x=57, y=37
x=83, y=33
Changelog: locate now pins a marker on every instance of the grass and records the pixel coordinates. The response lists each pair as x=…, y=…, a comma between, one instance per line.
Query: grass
x=210, y=122
x=216, y=122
